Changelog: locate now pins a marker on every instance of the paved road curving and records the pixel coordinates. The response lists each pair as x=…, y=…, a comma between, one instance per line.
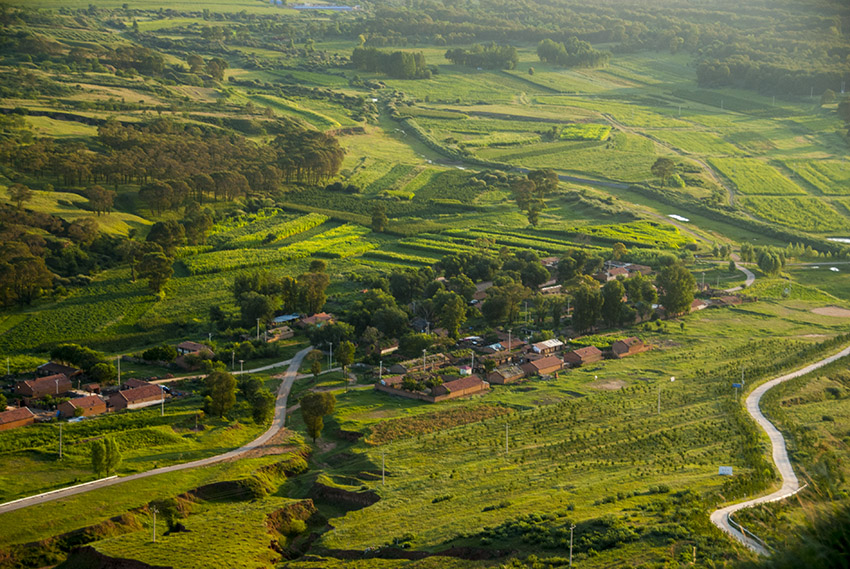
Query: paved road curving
x=277, y=424
x=751, y=278
x=790, y=484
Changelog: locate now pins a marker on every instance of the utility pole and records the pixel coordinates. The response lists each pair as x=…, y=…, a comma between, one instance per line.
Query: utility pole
x=241, y=369
x=472, y=364
x=232, y=359
x=424, y=363
x=509, y=341
x=380, y=371
x=572, y=527
x=258, y=328
x=60, y=440
x=331, y=356
x=57, y=386
x=161, y=402
x=155, y=512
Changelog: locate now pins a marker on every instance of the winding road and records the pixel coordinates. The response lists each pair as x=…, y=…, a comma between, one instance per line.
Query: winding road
x=751, y=278
x=277, y=424
x=790, y=484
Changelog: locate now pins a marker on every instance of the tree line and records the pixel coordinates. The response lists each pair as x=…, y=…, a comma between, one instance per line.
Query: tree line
x=398, y=64
x=571, y=53
x=489, y=56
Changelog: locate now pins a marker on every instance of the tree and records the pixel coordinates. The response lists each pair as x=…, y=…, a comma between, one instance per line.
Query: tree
x=612, y=302
x=112, y=455
x=345, y=354
x=314, y=407
x=100, y=199
x=262, y=406
x=452, y=312
x=98, y=457
x=641, y=293
x=676, y=287
x=617, y=251
x=220, y=392
x=19, y=194
x=103, y=373
x=588, y=307
x=663, y=168
x=316, y=368
x=254, y=305
x=828, y=97
x=196, y=63
x=379, y=218
x=168, y=235
x=732, y=268
x=3, y=401
x=156, y=267
x=313, y=287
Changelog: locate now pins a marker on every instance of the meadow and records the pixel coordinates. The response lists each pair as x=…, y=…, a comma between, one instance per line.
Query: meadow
x=587, y=447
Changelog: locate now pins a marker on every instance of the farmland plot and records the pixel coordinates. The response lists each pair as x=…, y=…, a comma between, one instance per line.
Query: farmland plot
x=755, y=177
x=831, y=177
x=808, y=214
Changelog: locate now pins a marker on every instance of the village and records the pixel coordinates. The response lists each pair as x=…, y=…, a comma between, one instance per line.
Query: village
x=467, y=366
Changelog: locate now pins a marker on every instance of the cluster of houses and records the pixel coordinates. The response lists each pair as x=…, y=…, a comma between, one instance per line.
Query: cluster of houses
x=509, y=360
x=86, y=400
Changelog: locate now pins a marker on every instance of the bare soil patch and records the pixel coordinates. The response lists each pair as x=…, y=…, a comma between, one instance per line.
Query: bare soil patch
x=608, y=385
x=832, y=311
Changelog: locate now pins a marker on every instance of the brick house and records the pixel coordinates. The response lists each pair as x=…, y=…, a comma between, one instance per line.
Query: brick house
x=52, y=368
x=15, y=418
x=506, y=374
x=582, y=356
x=90, y=405
x=49, y=385
x=459, y=387
x=137, y=397
x=627, y=347
x=184, y=348
x=547, y=347
x=543, y=366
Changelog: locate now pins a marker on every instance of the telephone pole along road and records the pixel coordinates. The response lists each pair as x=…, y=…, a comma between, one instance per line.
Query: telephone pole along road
x=790, y=484
x=277, y=425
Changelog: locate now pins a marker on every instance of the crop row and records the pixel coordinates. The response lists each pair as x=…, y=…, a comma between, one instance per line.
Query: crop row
x=639, y=233
x=585, y=132
x=277, y=228
x=543, y=245
x=436, y=246
x=389, y=180
x=369, y=171
x=755, y=177
x=829, y=176
x=400, y=257
x=330, y=242
x=502, y=139
x=232, y=259
x=808, y=214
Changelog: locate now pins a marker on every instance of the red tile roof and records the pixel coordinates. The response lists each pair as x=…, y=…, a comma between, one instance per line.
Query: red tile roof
x=191, y=346
x=462, y=383
x=587, y=351
x=547, y=362
x=14, y=415
x=145, y=392
x=88, y=401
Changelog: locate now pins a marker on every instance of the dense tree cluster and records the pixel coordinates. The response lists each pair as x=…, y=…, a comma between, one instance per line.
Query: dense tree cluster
x=259, y=295
x=529, y=192
x=176, y=163
x=398, y=64
x=489, y=56
x=572, y=53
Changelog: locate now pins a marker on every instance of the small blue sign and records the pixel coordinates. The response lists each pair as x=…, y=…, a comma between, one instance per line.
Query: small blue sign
x=737, y=386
